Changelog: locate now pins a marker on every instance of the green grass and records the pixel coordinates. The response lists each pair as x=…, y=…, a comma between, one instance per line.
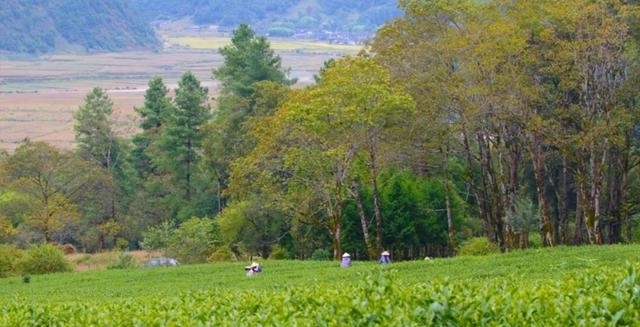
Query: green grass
x=594, y=286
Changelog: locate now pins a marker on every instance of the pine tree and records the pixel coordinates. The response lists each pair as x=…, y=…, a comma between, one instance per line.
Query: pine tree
x=181, y=138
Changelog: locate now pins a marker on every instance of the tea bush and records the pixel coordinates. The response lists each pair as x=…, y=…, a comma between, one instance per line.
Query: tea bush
x=594, y=297
x=560, y=286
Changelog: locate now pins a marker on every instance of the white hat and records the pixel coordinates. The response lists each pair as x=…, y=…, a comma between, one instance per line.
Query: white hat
x=385, y=253
x=254, y=264
x=346, y=255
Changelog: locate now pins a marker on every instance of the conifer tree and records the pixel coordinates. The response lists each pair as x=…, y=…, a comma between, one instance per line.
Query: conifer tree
x=181, y=137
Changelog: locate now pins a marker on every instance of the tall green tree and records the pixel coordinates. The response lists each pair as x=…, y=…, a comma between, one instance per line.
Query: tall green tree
x=154, y=114
x=181, y=141
x=95, y=137
x=150, y=204
x=310, y=150
x=518, y=87
x=593, y=59
x=97, y=142
x=248, y=62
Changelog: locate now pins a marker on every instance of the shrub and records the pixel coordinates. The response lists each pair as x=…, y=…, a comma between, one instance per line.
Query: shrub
x=478, y=246
x=220, y=254
x=321, y=254
x=9, y=257
x=124, y=261
x=194, y=240
x=43, y=259
x=279, y=253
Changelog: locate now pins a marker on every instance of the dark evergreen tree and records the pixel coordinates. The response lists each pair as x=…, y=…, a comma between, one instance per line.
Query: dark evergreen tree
x=98, y=143
x=248, y=62
x=180, y=141
x=154, y=114
x=95, y=138
x=150, y=204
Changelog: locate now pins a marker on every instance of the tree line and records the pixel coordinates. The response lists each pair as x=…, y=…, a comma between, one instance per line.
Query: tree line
x=512, y=120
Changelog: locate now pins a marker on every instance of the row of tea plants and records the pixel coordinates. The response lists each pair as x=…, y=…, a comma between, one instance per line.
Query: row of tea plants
x=600, y=296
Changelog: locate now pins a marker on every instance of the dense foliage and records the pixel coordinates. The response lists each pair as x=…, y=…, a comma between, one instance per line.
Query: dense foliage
x=509, y=120
x=43, y=26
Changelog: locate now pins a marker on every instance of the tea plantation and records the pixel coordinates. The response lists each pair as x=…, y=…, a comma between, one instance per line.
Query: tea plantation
x=563, y=286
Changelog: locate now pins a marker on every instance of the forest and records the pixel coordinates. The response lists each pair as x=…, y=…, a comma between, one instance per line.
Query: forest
x=42, y=27
x=511, y=120
x=37, y=27
x=277, y=18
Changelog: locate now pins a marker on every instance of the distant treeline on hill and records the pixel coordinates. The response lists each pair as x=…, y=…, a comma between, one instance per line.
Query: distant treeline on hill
x=44, y=26
x=333, y=20
x=40, y=26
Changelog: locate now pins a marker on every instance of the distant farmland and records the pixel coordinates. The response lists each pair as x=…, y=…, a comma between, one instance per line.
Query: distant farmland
x=38, y=96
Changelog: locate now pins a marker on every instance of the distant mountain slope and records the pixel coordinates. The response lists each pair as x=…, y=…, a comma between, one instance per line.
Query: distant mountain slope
x=41, y=26
x=278, y=18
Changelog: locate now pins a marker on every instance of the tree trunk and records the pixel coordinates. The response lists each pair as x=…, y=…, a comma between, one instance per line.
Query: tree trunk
x=355, y=193
x=482, y=207
x=450, y=226
x=577, y=232
x=335, y=242
x=546, y=227
x=563, y=204
x=376, y=200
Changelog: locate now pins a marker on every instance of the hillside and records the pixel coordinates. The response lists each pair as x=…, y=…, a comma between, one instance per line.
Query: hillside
x=40, y=26
x=336, y=21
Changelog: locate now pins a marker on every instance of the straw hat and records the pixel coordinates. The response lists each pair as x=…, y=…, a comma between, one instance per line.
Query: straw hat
x=346, y=255
x=253, y=265
x=385, y=253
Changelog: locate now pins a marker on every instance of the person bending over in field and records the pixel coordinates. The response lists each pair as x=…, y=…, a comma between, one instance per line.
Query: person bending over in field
x=253, y=269
x=346, y=260
x=384, y=258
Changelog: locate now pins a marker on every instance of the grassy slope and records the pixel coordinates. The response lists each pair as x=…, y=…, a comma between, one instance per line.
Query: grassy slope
x=533, y=266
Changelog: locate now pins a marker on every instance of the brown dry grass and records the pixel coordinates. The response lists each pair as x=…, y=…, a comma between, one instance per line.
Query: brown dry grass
x=38, y=96
x=98, y=261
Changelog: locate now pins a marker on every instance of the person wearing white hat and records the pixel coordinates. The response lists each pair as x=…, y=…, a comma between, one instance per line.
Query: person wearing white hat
x=384, y=257
x=252, y=269
x=346, y=260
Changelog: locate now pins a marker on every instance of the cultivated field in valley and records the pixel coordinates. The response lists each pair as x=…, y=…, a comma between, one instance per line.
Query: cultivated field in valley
x=39, y=95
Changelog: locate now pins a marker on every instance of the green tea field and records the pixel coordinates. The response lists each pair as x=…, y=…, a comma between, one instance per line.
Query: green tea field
x=563, y=286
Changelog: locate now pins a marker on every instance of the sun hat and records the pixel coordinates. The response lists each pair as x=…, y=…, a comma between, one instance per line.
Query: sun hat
x=346, y=255
x=385, y=253
x=253, y=265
